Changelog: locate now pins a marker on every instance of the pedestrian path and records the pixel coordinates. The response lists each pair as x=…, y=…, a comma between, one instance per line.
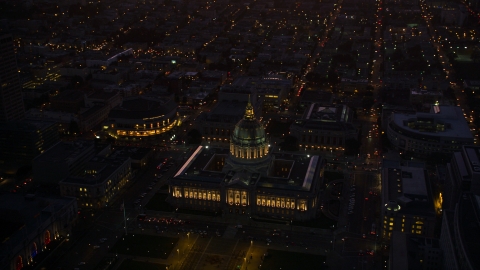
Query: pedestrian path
x=230, y=232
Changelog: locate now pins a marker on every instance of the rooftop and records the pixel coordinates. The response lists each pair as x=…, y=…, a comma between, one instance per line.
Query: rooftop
x=299, y=177
x=143, y=107
x=408, y=187
x=64, y=151
x=450, y=118
x=21, y=215
x=98, y=170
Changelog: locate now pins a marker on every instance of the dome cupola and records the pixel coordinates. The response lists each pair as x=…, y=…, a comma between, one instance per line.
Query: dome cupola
x=248, y=141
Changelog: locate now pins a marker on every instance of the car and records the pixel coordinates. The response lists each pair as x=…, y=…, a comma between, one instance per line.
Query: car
x=363, y=236
x=95, y=247
x=82, y=263
x=268, y=240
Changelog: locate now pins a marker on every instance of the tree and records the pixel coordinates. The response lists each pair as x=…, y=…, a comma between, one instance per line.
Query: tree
x=73, y=128
x=290, y=143
x=194, y=137
x=367, y=102
x=352, y=147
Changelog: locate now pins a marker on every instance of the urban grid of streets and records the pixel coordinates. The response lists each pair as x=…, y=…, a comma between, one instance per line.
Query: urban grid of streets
x=347, y=246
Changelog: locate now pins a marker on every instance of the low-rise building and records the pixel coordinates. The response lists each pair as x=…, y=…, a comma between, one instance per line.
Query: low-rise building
x=141, y=119
x=103, y=179
x=324, y=127
x=407, y=201
x=441, y=131
x=32, y=224
x=62, y=160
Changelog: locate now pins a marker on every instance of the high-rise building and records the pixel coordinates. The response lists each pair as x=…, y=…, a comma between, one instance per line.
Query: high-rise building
x=11, y=101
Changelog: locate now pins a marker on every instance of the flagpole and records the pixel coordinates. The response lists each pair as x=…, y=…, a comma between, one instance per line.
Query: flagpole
x=124, y=217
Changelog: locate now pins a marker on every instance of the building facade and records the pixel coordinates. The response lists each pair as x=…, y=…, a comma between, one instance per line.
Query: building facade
x=38, y=223
x=460, y=234
x=414, y=252
x=11, y=101
x=104, y=178
x=141, y=119
x=247, y=179
x=324, y=128
x=463, y=175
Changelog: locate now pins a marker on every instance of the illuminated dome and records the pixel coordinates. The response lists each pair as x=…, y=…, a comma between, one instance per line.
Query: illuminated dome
x=248, y=141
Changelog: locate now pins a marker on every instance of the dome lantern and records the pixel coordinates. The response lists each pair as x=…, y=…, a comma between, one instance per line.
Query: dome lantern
x=248, y=141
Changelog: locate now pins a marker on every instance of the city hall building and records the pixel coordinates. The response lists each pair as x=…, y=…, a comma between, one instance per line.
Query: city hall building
x=247, y=179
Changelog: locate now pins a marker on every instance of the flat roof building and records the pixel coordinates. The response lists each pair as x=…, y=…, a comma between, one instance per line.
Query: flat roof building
x=103, y=179
x=407, y=201
x=141, y=119
x=247, y=179
x=441, y=131
x=62, y=160
x=324, y=127
x=30, y=225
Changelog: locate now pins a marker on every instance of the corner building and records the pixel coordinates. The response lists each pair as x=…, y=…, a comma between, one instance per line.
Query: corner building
x=247, y=179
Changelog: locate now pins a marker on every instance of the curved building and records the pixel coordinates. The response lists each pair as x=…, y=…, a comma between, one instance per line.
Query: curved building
x=441, y=131
x=141, y=118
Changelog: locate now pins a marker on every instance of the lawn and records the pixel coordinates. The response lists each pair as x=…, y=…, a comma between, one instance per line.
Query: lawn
x=332, y=176
x=158, y=203
x=145, y=245
x=106, y=263
x=278, y=128
x=321, y=222
x=278, y=259
x=130, y=264
x=199, y=212
x=334, y=207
